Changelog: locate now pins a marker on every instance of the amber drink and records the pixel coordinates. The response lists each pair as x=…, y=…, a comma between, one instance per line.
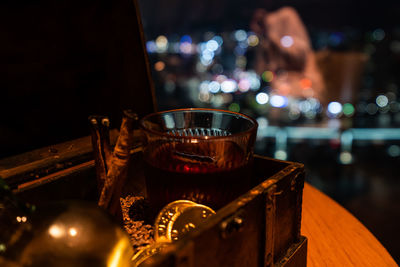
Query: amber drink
x=200, y=155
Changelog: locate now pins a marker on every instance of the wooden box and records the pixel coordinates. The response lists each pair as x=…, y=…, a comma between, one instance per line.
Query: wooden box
x=259, y=228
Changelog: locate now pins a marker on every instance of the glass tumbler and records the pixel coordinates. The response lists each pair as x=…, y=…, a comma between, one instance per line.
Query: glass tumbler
x=202, y=155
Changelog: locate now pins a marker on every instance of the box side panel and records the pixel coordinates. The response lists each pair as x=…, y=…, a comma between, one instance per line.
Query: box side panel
x=237, y=240
x=288, y=210
x=70, y=184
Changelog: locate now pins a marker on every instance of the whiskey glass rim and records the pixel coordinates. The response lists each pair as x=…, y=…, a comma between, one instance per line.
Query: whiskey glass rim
x=250, y=131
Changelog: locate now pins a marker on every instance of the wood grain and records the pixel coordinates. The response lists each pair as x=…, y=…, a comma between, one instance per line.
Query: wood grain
x=336, y=237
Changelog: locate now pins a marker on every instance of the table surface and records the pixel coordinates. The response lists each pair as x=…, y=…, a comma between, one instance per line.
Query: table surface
x=336, y=237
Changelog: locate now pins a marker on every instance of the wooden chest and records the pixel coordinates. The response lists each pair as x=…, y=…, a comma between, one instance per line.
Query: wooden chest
x=259, y=228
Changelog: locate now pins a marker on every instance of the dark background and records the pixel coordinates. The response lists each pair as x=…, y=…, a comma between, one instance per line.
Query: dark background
x=166, y=17
x=61, y=61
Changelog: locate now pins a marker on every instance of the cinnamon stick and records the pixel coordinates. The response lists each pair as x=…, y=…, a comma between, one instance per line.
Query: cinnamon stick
x=118, y=164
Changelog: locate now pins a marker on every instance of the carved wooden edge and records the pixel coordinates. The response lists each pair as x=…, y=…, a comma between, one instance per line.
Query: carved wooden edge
x=270, y=210
x=40, y=164
x=296, y=255
x=298, y=186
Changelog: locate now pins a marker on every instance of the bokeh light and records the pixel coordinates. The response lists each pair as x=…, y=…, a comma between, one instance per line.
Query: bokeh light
x=204, y=95
x=240, y=35
x=280, y=154
x=186, y=48
x=287, y=41
x=305, y=83
x=159, y=66
x=214, y=87
x=294, y=114
x=348, y=109
x=244, y=85
x=212, y=45
x=72, y=231
x=267, y=76
x=228, y=86
x=394, y=150
x=186, y=39
x=204, y=85
x=234, y=107
x=241, y=62
x=335, y=108
x=304, y=106
x=161, y=44
x=345, y=157
x=207, y=55
x=382, y=101
x=151, y=47
x=56, y=231
x=218, y=39
x=206, y=61
x=21, y=219
x=262, y=98
x=221, y=78
x=262, y=122
x=278, y=101
x=253, y=40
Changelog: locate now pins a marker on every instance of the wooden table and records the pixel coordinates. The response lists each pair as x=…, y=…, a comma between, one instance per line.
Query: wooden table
x=336, y=237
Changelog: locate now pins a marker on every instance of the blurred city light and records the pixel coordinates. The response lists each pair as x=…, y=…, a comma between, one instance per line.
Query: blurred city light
x=287, y=41
x=186, y=39
x=228, y=86
x=280, y=154
x=348, y=109
x=161, y=44
x=159, y=66
x=394, y=150
x=240, y=35
x=218, y=39
x=186, y=48
x=244, y=85
x=212, y=45
x=267, y=76
x=252, y=40
x=305, y=83
x=262, y=98
x=214, y=87
x=335, y=108
x=278, y=101
x=345, y=157
x=382, y=101
x=151, y=47
x=234, y=107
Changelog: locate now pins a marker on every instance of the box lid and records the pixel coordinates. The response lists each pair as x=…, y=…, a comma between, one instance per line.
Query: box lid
x=63, y=61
